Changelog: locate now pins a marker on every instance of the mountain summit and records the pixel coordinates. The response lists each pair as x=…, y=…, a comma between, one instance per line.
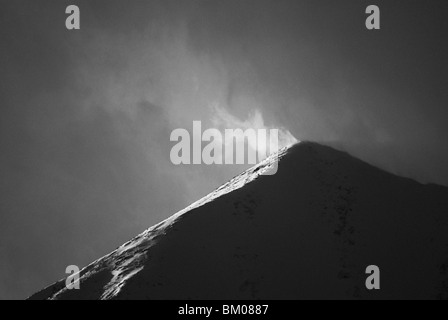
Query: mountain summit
x=307, y=232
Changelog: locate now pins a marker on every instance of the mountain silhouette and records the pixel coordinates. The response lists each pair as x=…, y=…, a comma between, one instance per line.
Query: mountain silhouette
x=307, y=232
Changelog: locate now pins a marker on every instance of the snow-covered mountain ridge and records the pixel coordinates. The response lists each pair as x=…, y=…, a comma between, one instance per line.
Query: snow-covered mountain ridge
x=309, y=231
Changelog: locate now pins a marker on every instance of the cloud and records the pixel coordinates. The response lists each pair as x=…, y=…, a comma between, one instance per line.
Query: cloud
x=223, y=120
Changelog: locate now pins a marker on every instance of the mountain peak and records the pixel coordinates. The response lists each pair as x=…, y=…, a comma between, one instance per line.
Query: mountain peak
x=309, y=231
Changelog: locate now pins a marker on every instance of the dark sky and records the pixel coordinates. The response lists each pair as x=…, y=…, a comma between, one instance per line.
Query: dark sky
x=86, y=115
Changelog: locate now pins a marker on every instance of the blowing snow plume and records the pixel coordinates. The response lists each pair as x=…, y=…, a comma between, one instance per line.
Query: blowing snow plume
x=310, y=231
x=266, y=146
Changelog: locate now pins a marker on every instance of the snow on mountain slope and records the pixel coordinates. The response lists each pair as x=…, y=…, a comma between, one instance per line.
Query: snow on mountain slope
x=309, y=231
